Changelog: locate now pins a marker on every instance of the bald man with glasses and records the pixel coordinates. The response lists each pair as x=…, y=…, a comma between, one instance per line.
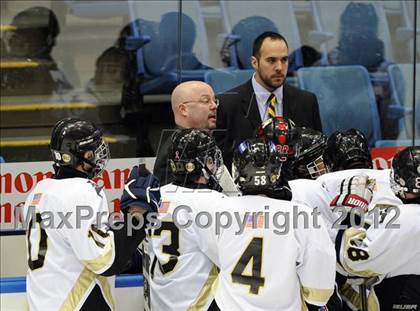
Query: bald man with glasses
x=194, y=106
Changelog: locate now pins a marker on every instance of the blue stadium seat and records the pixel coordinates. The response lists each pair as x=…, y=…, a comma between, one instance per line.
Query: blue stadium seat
x=223, y=80
x=401, y=85
x=346, y=98
x=397, y=143
x=158, y=61
x=244, y=21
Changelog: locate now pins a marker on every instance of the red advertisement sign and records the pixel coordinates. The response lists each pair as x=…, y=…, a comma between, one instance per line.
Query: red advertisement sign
x=382, y=157
x=18, y=179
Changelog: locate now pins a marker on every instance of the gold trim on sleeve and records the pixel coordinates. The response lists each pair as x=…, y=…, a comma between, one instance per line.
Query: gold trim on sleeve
x=205, y=292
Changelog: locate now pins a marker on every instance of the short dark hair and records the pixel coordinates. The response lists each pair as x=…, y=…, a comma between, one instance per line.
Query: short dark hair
x=260, y=39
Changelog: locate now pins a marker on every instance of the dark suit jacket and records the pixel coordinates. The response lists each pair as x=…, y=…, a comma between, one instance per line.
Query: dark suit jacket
x=161, y=169
x=238, y=116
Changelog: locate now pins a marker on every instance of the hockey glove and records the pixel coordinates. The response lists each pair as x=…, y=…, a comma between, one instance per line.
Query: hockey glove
x=141, y=190
x=355, y=191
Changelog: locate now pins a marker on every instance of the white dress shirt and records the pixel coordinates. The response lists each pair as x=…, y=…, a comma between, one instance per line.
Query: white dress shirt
x=261, y=95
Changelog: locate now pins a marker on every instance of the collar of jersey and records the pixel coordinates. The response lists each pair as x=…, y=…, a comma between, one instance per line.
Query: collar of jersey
x=68, y=172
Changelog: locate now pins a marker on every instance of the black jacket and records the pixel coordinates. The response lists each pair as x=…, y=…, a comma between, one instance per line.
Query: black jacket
x=238, y=116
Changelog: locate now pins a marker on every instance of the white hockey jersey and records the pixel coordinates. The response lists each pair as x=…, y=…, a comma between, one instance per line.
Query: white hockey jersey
x=65, y=257
x=266, y=264
x=382, y=195
x=313, y=194
x=389, y=248
x=178, y=272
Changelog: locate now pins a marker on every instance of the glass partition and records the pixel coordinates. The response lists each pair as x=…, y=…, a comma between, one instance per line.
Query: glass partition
x=116, y=63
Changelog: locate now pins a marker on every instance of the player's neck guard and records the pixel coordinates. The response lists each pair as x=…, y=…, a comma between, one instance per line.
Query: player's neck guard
x=191, y=185
x=62, y=172
x=411, y=201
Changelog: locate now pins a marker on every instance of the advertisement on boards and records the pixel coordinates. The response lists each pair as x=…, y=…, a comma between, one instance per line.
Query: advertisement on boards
x=18, y=179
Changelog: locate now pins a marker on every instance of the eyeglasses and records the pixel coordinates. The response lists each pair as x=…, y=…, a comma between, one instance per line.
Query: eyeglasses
x=205, y=101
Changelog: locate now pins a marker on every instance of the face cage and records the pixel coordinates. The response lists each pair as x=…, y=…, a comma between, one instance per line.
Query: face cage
x=398, y=189
x=317, y=167
x=102, y=156
x=213, y=163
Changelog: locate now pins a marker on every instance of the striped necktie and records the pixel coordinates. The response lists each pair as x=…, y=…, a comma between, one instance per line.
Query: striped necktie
x=272, y=102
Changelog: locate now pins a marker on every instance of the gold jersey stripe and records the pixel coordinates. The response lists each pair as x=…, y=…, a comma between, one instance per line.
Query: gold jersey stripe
x=317, y=294
x=353, y=298
x=349, y=234
x=79, y=290
x=106, y=290
x=47, y=106
x=99, y=263
x=203, y=296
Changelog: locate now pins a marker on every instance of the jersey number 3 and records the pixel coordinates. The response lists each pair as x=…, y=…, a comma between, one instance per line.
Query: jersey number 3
x=253, y=253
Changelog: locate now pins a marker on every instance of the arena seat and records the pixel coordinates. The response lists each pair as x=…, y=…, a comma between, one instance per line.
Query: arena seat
x=223, y=80
x=397, y=143
x=157, y=61
x=243, y=21
x=329, y=12
x=346, y=98
x=401, y=85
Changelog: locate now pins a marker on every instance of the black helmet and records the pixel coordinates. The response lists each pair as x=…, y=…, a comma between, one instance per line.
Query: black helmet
x=194, y=153
x=71, y=138
x=405, y=172
x=283, y=133
x=257, y=168
x=347, y=150
x=310, y=163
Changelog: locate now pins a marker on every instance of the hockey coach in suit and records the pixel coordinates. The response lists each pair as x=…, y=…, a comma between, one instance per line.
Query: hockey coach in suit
x=265, y=95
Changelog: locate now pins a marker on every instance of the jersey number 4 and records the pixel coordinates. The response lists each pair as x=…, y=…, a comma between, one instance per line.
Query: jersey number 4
x=253, y=253
x=42, y=244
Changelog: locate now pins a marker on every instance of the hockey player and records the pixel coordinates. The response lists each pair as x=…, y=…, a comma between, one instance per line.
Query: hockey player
x=303, y=162
x=348, y=155
x=71, y=249
x=261, y=269
x=307, y=163
x=348, y=149
x=310, y=161
x=180, y=260
x=178, y=273
x=388, y=251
